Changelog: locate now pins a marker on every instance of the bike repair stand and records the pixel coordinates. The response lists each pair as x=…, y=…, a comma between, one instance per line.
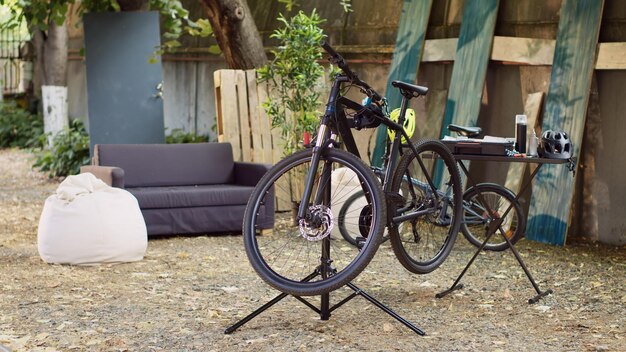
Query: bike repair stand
x=493, y=227
x=325, y=308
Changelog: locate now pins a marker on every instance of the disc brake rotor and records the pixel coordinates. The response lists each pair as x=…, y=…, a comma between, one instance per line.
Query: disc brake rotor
x=319, y=226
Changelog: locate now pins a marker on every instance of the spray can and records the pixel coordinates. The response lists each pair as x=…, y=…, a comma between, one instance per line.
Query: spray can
x=521, y=125
x=533, y=143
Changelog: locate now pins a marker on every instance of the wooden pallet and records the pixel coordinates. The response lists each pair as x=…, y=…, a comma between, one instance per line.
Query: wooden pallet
x=241, y=119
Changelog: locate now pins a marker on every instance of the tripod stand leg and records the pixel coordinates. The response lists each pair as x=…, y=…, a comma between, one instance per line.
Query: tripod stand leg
x=252, y=315
x=265, y=307
x=540, y=294
x=385, y=309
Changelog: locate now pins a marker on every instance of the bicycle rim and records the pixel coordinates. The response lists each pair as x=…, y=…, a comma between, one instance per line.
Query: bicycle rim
x=431, y=187
x=290, y=254
x=476, y=202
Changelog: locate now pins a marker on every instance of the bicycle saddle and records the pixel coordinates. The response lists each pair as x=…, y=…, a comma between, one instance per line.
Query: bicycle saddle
x=470, y=132
x=408, y=87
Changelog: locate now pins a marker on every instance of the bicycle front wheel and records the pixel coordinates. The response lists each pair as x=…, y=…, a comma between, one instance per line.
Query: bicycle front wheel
x=429, y=207
x=305, y=257
x=482, y=206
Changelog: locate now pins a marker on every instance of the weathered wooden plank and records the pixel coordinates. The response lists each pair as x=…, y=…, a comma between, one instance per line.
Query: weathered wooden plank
x=228, y=116
x=265, y=126
x=406, y=57
x=470, y=66
x=437, y=50
x=179, y=103
x=566, y=107
x=217, y=86
x=244, y=117
x=532, y=109
x=528, y=51
x=255, y=121
x=594, y=217
x=435, y=103
x=525, y=51
x=611, y=56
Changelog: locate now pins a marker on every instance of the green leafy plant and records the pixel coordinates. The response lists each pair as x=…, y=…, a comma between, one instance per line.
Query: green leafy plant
x=290, y=4
x=293, y=78
x=176, y=21
x=178, y=135
x=18, y=127
x=69, y=151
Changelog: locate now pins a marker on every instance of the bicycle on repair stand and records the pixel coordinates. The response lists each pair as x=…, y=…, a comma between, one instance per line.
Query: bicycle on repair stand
x=483, y=204
x=300, y=251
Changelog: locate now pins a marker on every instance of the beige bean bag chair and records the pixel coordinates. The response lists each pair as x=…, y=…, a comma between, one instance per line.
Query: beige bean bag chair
x=87, y=222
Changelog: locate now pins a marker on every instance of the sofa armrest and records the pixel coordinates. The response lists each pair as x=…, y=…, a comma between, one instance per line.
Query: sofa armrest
x=249, y=174
x=111, y=175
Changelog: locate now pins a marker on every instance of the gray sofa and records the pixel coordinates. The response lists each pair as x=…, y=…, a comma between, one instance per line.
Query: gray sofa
x=183, y=188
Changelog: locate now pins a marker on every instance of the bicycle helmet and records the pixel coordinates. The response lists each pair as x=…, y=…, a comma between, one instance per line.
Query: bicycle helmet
x=409, y=123
x=555, y=145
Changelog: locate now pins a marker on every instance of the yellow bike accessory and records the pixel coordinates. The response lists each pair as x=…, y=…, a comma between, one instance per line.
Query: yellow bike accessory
x=409, y=123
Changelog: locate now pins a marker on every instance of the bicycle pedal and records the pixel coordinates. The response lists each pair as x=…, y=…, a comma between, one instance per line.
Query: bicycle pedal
x=360, y=242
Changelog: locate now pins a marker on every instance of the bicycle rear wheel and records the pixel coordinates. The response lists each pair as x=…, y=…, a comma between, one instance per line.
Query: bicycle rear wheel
x=353, y=219
x=476, y=222
x=309, y=257
x=429, y=185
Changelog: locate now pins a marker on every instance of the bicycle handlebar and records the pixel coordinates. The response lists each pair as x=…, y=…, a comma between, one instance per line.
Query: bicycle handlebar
x=341, y=62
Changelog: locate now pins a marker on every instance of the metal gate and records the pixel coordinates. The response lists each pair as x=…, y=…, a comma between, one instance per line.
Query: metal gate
x=15, y=67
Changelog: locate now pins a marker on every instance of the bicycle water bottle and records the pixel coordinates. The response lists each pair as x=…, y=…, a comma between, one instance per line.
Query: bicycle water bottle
x=521, y=124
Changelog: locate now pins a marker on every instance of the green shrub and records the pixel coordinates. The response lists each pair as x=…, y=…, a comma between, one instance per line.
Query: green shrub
x=179, y=135
x=18, y=127
x=294, y=78
x=69, y=151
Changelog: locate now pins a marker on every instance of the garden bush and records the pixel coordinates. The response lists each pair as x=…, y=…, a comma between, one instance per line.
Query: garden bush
x=18, y=127
x=69, y=151
x=179, y=135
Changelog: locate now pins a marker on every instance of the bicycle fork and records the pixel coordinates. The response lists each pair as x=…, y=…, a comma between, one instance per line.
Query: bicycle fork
x=321, y=143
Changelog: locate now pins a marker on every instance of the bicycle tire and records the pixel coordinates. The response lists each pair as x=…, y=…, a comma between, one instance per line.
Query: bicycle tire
x=344, y=214
x=284, y=258
x=348, y=221
x=422, y=244
x=476, y=218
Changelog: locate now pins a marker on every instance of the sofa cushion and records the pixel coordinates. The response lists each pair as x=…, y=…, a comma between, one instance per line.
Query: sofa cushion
x=191, y=196
x=170, y=164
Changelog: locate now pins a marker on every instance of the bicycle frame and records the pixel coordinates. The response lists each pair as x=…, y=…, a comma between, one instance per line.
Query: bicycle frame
x=335, y=123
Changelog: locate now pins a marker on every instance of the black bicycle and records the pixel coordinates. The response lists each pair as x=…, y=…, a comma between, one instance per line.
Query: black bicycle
x=483, y=204
x=299, y=251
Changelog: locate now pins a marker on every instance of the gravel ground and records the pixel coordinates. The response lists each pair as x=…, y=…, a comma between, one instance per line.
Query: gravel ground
x=187, y=290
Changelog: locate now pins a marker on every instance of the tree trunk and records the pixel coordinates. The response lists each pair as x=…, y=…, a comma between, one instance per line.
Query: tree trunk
x=50, y=76
x=37, y=41
x=50, y=66
x=55, y=55
x=236, y=33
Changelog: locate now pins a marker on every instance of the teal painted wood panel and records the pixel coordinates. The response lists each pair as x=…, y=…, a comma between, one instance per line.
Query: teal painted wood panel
x=406, y=58
x=566, y=109
x=470, y=65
